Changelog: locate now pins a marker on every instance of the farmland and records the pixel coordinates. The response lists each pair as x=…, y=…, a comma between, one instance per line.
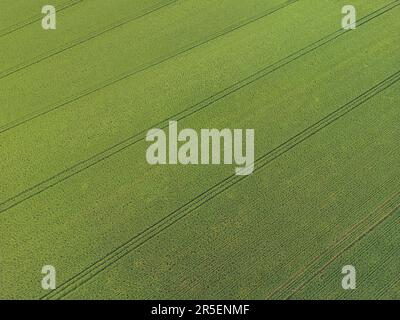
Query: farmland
x=76, y=190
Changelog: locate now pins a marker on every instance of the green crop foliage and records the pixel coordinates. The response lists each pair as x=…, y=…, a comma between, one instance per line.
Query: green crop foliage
x=77, y=193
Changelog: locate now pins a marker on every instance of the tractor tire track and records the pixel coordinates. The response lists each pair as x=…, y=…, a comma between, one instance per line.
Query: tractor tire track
x=124, y=144
x=391, y=201
x=391, y=211
x=139, y=69
x=36, y=18
x=138, y=240
x=79, y=41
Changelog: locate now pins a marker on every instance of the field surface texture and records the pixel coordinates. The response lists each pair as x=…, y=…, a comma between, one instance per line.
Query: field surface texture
x=76, y=190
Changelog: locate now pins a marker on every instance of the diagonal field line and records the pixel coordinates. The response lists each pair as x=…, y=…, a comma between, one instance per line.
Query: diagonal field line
x=349, y=246
x=141, y=68
x=36, y=18
x=388, y=204
x=70, y=45
x=152, y=231
x=85, y=164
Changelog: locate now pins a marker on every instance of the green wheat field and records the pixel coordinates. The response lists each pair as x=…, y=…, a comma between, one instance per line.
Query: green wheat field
x=77, y=193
